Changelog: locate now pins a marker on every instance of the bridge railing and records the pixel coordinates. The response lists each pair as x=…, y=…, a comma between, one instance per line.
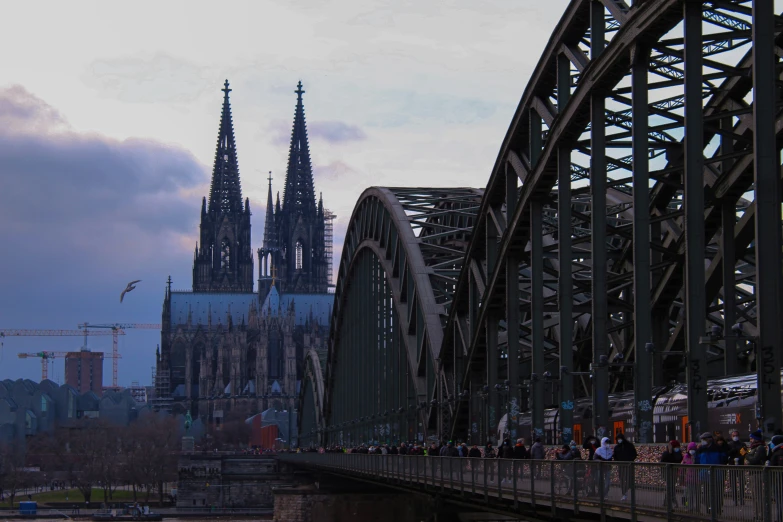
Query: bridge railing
x=618, y=489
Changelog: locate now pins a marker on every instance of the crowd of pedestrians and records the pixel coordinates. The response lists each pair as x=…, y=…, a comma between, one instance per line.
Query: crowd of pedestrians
x=716, y=466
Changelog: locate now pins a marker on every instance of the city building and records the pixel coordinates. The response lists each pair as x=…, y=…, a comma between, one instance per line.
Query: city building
x=226, y=346
x=28, y=408
x=84, y=371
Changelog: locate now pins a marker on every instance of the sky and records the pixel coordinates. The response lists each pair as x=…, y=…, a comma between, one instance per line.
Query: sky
x=109, y=116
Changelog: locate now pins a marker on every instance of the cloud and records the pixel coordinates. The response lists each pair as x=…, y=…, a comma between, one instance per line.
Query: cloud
x=156, y=78
x=279, y=132
x=82, y=215
x=332, y=172
x=335, y=131
x=22, y=112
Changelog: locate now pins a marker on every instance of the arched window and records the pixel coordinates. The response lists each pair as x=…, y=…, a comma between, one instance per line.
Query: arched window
x=298, y=255
x=225, y=254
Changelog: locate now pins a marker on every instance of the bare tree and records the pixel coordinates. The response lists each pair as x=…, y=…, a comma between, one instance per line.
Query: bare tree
x=13, y=474
x=152, y=448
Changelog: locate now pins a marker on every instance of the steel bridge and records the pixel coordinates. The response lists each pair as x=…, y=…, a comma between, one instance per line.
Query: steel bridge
x=634, y=205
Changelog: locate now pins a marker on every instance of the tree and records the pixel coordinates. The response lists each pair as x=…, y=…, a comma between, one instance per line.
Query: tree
x=13, y=473
x=233, y=433
x=150, y=452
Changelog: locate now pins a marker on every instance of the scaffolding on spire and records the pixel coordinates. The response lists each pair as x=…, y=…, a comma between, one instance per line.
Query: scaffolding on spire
x=329, y=218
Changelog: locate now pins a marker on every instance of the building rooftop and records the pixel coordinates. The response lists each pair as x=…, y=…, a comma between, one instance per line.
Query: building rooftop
x=202, y=306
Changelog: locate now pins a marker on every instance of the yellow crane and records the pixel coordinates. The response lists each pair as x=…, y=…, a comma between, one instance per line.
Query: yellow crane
x=115, y=330
x=47, y=355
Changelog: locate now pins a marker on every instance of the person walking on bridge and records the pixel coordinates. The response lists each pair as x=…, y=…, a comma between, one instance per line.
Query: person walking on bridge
x=709, y=453
x=505, y=452
x=521, y=453
x=757, y=456
x=604, y=454
x=737, y=451
x=671, y=455
x=624, y=451
x=489, y=453
x=537, y=452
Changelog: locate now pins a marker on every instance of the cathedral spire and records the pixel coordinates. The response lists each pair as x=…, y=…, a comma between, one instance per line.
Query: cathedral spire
x=299, y=194
x=269, y=222
x=225, y=194
x=224, y=261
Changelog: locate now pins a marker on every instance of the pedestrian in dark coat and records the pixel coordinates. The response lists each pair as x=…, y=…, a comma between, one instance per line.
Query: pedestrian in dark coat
x=710, y=453
x=776, y=459
x=624, y=451
x=506, y=450
x=671, y=455
x=474, y=452
x=537, y=451
x=450, y=450
x=520, y=451
x=590, y=444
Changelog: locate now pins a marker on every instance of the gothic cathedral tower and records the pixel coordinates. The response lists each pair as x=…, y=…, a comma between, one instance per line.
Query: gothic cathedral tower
x=294, y=253
x=223, y=261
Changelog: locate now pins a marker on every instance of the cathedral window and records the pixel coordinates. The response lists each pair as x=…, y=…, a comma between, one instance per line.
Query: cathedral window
x=225, y=254
x=298, y=255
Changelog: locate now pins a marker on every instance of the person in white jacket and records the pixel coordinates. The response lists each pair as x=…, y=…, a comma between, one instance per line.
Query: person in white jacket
x=605, y=453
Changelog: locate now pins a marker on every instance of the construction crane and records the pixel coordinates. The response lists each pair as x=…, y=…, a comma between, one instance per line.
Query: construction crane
x=16, y=332
x=116, y=330
x=47, y=356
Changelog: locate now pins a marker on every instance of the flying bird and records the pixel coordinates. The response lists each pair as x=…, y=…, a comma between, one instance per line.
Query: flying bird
x=131, y=286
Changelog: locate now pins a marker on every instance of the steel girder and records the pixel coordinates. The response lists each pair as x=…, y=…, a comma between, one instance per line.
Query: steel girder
x=311, y=401
x=644, y=107
x=402, y=255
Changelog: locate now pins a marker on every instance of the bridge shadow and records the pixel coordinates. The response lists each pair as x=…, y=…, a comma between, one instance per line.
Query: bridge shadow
x=572, y=489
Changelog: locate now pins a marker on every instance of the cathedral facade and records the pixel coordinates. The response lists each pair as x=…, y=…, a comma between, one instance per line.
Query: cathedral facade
x=225, y=346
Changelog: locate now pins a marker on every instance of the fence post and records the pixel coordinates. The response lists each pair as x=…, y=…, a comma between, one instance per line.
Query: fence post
x=473, y=465
x=712, y=485
x=767, y=487
x=486, y=492
x=499, y=479
x=552, y=499
x=601, y=493
x=632, y=484
x=574, y=475
x=532, y=486
x=451, y=473
x=670, y=482
x=514, y=472
x=442, y=462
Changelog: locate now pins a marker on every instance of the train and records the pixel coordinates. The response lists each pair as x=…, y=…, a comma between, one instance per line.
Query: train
x=732, y=406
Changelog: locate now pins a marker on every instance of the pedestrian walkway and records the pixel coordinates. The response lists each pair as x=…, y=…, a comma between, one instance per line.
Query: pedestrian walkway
x=622, y=490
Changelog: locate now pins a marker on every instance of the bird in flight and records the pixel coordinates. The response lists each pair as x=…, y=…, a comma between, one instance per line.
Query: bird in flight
x=131, y=286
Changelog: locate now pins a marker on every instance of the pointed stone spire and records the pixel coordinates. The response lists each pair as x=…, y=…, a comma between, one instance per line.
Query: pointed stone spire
x=277, y=205
x=269, y=222
x=225, y=194
x=299, y=194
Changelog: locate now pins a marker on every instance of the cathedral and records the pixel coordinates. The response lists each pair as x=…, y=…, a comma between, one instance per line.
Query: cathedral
x=225, y=347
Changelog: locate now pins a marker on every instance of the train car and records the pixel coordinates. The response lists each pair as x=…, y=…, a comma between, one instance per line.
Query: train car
x=732, y=405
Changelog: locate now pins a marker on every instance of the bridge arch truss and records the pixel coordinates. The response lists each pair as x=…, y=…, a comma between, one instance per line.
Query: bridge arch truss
x=624, y=199
x=401, y=258
x=637, y=194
